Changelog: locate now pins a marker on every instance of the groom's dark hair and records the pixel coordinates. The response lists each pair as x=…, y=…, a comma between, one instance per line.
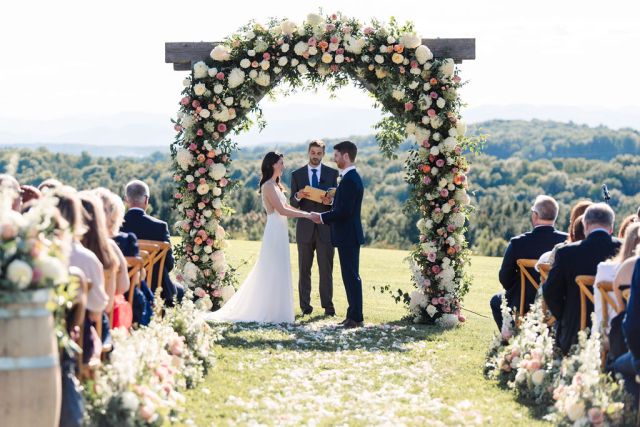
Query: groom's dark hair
x=347, y=147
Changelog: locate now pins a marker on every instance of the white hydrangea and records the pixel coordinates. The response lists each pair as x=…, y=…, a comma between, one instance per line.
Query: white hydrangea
x=245, y=63
x=353, y=45
x=200, y=70
x=314, y=19
x=236, y=78
x=448, y=321
x=418, y=300
x=184, y=158
x=217, y=171
x=288, y=27
x=260, y=46
x=398, y=94
x=220, y=53
x=447, y=68
x=410, y=40
x=263, y=79
x=190, y=271
x=300, y=48
x=423, y=54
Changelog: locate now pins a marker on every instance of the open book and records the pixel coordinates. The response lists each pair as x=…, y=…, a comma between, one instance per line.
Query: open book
x=316, y=194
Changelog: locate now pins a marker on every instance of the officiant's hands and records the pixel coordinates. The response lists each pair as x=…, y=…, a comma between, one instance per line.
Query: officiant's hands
x=315, y=217
x=301, y=195
x=327, y=199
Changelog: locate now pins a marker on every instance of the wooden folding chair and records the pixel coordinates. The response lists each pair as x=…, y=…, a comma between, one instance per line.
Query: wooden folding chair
x=157, y=255
x=525, y=277
x=585, y=283
x=134, y=266
x=608, y=303
x=544, y=271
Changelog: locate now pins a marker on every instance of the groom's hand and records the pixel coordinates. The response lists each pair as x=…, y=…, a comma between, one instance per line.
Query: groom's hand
x=327, y=199
x=315, y=217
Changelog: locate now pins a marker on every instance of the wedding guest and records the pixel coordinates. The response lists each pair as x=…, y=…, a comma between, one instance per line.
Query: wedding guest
x=609, y=271
x=49, y=184
x=626, y=223
x=146, y=227
x=312, y=237
x=529, y=245
x=575, y=231
x=560, y=291
x=8, y=181
x=128, y=244
x=97, y=299
x=629, y=363
x=29, y=193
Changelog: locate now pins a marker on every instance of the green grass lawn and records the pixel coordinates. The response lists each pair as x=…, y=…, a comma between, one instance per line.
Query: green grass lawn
x=390, y=372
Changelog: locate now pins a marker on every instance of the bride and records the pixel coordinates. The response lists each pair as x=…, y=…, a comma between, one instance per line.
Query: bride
x=267, y=294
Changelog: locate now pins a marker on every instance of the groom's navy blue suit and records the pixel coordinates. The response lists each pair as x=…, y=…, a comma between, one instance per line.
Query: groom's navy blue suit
x=347, y=236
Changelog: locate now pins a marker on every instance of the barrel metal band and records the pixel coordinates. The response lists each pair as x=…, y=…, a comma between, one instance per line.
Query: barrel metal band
x=20, y=363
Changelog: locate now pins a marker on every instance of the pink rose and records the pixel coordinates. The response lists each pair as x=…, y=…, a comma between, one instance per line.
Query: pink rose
x=146, y=412
x=434, y=301
x=220, y=76
x=413, y=64
x=202, y=170
x=426, y=180
x=442, y=300
x=330, y=27
x=266, y=56
x=209, y=162
x=222, y=127
x=200, y=132
x=456, y=79
x=177, y=128
x=185, y=101
x=426, y=144
x=431, y=257
x=178, y=196
x=433, y=95
x=334, y=67
x=444, y=192
x=436, y=269
x=312, y=41
x=195, y=103
x=451, y=228
x=431, y=112
x=191, y=213
x=408, y=106
x=340, y=51
x=461, y=318
x=223, y=182
x=191, y=186
x=193, y=147
x=217, y=293
x=368, y=31
x=440, y=163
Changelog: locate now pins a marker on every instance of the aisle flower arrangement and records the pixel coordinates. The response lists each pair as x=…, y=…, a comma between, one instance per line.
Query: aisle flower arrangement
x=419, y=92
x=141, y=383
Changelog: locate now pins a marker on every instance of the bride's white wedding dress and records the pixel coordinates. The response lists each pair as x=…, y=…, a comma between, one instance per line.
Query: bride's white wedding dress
x=267, y=294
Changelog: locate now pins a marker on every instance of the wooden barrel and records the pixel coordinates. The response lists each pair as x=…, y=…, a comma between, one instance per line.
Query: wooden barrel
x=29, y=363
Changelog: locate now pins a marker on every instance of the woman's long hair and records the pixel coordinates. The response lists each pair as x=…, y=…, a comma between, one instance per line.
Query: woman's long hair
x=270, y=159
x=96, y=239
x=631, y=240
x=577, y=210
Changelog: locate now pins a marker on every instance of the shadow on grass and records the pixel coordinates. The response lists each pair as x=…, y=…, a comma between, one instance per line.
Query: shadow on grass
x=320, y=333
x=535, y=410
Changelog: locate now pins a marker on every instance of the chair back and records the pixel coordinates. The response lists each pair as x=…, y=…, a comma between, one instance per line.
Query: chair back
x=544, y=271
x=157, y=255
x=108, y=278
x=607, y=300
x=585, y=283
x=134, y=266
x=526, y=278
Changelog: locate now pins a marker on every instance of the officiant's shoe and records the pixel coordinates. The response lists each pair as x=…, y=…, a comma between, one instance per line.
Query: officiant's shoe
x=307, y=312
x=343, y=322
x=330, y=313
x=351, y=324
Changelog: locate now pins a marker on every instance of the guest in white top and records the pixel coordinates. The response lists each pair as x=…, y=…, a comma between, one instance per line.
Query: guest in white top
x=608, y=270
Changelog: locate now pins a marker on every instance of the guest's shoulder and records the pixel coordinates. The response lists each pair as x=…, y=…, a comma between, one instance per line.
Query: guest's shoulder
x=81, y=254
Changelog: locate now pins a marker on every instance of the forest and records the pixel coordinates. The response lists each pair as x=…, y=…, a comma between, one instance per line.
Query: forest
x=519, y=160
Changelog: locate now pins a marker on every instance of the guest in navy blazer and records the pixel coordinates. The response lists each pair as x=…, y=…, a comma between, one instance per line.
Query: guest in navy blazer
x=346, y=228
x=529, y=245
x=629, y=363
x=146, y=227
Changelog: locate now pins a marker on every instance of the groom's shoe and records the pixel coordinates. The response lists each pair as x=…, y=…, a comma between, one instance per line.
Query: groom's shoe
x=307, y=312
x=343, y=322
x=351, y=324
x=330, y=313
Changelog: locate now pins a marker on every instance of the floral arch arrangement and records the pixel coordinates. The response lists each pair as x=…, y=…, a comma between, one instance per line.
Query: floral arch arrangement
x=419, y=91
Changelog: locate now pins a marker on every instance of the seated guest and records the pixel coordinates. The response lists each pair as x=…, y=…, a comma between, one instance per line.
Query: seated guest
x=575, y=230
x=529, y=245
x=97, y=299
x=8, y=181
x=128, y=245
x=146, y=227
x=608, y=272
x=560, y=291
x=29, y=193
x=626, y=223
x=629, y=363
x=49, y=184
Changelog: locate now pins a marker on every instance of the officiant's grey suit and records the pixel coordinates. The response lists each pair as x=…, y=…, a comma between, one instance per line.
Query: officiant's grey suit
x=312, y=238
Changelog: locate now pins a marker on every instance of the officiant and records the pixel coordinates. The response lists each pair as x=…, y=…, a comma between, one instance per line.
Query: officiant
x=314, y=238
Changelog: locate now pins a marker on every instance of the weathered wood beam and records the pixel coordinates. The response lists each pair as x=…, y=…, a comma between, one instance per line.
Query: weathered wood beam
x=183, y=54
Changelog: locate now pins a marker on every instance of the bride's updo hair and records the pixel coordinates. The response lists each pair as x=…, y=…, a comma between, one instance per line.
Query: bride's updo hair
x=270, y=159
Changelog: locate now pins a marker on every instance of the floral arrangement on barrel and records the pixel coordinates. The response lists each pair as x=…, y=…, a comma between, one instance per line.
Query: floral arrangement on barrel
x=419, y=91
x=147, y=370
x=32, y=255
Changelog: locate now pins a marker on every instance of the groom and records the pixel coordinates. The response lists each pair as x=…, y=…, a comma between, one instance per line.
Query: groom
x=346, y=228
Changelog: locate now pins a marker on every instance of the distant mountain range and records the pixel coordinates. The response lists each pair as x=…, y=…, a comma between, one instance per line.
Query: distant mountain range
x=138, y=134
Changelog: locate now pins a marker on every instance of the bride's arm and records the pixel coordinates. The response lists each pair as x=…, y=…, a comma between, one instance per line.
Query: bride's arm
x=271, y=194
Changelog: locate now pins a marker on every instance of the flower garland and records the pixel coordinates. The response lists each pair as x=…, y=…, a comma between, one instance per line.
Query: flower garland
x=390, y=60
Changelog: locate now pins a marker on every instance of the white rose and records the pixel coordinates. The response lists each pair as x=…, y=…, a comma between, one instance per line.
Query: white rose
x=410, y=40
x=216, y=203
x=212, y=72
x=217, y=171
x=249, y=35
x=263, y=79
x=251, y=52
x=202, y=189
x=236, y=78
x=208, y=250
x=200, y=70
x=284, y=48
x=260, y=46
x=538, y=377
x=413, y=85
x=391, y=40
x=339, y=59
x=327, y=58
x=199, y=89
x=398, y=94
x=423, y=54
x=20, y=273
x=189, y=178
x=434, y=151
x=220, y=53
x=294, y=62
x=441, y=102
x=216, y=191
x=282, y=61
x=190, y=271
x=52, y=268
x=574, y=408
x=314, y=19
x=354, y=45
x=222, y=115
x=288, y=27
x=300, y=48
x=245, y=103
x=431, y=310
x=228, y=101
x=245, y=63
x=253, y=74
x=205, y=113
x=302, y=69
x=218, y=88
x=379, y=59
x=220, y=233
x=447, y=68
x=446, y=208
x=436, y=122
x=130, y=401
x=313, y=50
x=186, y=82
x=184, y=158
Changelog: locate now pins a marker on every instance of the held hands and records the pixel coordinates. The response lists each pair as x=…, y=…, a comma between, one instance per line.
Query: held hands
x=315, y=217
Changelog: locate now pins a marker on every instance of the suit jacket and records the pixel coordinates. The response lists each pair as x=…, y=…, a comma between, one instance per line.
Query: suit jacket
x=146, y=227
x=560, y=291
x=305, y=227
x=631, y=323
x=529, y=245
x=344, y=217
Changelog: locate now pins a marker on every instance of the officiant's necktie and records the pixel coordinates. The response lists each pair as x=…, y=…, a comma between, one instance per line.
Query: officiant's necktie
x=314, y=178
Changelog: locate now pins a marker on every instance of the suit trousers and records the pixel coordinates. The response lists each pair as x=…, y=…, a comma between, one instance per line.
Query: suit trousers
x=325, y=253
x=350, y=266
